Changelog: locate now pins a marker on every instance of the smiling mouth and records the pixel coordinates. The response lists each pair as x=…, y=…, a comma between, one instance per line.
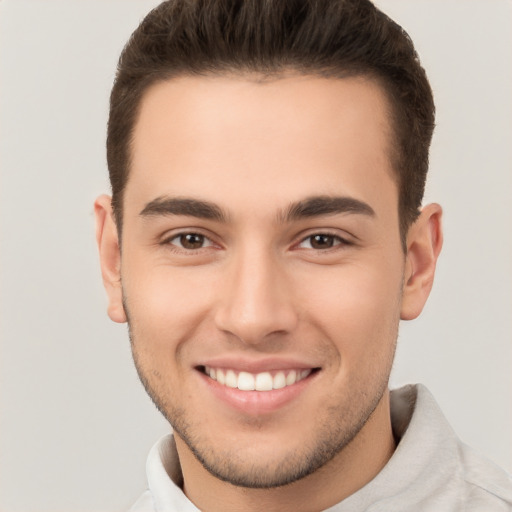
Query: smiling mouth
x=264, y=381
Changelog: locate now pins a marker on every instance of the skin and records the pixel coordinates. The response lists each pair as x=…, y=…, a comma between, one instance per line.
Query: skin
x=259, y=289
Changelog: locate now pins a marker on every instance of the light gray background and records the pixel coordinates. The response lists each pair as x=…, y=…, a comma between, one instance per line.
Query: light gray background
x=75, y=424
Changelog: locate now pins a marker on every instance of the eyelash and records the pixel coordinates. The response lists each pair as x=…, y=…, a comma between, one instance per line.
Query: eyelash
x=181, y=236
x=335, y=240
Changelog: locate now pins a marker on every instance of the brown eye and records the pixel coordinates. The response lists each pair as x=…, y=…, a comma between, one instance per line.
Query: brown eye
x=322, y=241
x=191, y=241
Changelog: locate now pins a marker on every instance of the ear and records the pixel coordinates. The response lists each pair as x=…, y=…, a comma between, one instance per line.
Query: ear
x=110, y=257
x=424, y=242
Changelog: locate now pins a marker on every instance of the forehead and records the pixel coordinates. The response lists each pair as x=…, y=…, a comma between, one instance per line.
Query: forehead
x=242, y=139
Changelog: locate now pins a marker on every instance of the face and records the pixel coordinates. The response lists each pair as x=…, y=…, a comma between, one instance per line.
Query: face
x=261, y=267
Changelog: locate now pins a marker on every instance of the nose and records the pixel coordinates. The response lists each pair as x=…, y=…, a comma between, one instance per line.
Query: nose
x=257, y=301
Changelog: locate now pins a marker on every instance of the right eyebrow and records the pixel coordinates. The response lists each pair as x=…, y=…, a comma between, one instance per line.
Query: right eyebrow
x=165, y=206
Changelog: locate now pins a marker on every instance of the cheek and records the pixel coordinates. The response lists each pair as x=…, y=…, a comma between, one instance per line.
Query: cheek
x=166, y=305
x=358, y=306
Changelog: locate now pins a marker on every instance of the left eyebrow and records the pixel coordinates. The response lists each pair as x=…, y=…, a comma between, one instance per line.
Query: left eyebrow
x=318, y=206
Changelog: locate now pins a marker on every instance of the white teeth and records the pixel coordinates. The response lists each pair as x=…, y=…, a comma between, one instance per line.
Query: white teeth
x=221, y=378
x=231, y=379
x=245, y=381
x=263, y=381
x=279, y=380
x=291, y=378
x=304, y=374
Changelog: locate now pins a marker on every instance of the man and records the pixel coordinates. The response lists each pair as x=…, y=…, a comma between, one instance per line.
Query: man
x=264, y=238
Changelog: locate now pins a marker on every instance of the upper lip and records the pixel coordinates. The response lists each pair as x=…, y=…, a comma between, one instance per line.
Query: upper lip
x=257, y=365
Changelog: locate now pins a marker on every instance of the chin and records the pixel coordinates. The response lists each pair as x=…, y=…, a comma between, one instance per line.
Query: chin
x=266, y=459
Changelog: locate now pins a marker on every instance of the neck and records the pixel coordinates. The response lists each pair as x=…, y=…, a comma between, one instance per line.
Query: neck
x=347, y=472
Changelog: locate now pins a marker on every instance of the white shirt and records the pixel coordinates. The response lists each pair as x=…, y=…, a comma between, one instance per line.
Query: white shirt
x=431, y=470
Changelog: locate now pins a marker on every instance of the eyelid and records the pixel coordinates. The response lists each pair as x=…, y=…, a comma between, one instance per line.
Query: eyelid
x=172, y=235
x=342, y=240
x=206, y=240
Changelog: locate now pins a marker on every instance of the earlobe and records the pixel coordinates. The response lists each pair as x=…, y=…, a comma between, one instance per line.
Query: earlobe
x=110, y=257
x=424, y=243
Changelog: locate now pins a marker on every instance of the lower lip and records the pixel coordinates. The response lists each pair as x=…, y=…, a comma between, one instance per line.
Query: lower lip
x=257, y=402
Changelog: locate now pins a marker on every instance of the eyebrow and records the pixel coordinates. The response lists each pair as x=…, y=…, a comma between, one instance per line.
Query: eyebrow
x=315, y=206
x=318, y=206
x=163, y=206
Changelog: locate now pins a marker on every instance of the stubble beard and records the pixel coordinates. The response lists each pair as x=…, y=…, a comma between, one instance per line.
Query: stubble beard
x=328, y=439
x=233, y=467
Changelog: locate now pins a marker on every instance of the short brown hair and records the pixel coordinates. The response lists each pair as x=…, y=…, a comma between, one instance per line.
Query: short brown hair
x=332, y=38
